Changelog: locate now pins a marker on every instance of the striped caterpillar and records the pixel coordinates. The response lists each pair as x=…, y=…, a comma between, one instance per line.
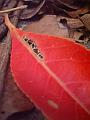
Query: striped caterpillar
x=33, y=46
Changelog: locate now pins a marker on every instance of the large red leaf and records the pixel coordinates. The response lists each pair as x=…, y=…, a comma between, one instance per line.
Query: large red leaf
x=56, y=76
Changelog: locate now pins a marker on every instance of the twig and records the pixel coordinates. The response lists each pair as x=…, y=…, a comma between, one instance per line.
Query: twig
x=13, y=9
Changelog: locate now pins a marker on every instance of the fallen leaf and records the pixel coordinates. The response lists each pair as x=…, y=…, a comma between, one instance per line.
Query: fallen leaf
x=75, y=14
x=13, y=100
x=53, y=72
x=86, y=20
x=72, y=23
x=47, y=25
x=28, y=13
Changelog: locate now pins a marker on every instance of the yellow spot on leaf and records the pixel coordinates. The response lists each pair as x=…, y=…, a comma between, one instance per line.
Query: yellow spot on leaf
x=53, y=104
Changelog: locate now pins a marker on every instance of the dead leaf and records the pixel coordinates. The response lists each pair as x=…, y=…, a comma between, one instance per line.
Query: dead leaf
x=28, y=13
x=75, y=14
x=86, y=20
x=47, y=25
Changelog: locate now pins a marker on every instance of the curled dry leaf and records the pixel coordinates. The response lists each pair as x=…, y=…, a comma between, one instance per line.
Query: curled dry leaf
x=86, y=20
x=75, y=14
x=28, y=13
x=74, y=4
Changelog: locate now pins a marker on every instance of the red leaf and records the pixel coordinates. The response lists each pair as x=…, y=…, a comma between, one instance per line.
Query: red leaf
x=56, y=76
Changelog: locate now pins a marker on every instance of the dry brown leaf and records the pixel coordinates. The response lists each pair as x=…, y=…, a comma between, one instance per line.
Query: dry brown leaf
x=47, y=25
x=28, y=13
x=75, y=14
x=13, y=99
x=86, y=20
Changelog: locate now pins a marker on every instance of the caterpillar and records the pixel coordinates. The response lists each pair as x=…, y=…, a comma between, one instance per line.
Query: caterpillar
x=33, y=46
